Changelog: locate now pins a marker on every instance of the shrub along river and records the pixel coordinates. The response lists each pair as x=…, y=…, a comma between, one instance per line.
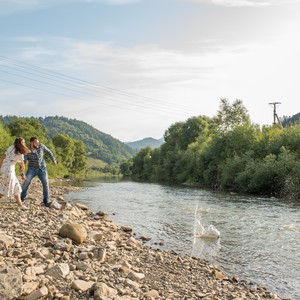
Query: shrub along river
x=259, y=237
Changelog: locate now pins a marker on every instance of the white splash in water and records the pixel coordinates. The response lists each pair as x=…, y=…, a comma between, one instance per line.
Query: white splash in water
x=199, y=230
x=210, y=232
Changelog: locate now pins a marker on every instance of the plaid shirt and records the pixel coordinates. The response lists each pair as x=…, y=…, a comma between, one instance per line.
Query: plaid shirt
x=36, y=158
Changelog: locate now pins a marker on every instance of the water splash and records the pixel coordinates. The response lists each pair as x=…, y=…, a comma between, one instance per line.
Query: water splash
x=206, y=242
x=199, y=230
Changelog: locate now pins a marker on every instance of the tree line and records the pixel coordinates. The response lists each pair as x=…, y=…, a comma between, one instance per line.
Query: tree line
x=69, y=153
x=227, y=152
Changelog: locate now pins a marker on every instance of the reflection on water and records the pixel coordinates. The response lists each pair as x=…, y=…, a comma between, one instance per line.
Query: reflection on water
x=259, y=237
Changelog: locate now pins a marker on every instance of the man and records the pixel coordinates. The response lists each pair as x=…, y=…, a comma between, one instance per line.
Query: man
x=37, y=167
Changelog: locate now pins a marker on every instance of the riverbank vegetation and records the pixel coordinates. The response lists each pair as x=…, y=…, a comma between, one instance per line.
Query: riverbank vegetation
x=70, y=153
x=226, y=152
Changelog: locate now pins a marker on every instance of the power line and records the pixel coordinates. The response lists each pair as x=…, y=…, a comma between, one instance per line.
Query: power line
x=87, y=88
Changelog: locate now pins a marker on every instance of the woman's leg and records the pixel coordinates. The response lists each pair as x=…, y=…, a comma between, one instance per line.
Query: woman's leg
x=18, y=198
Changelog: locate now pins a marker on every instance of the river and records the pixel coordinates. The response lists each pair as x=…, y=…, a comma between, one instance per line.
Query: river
x=259, y=237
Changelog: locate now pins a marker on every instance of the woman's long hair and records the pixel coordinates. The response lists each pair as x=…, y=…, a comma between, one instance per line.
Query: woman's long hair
x=19, y=147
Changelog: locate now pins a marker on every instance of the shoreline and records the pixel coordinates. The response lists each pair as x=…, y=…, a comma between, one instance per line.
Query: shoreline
x=109, y=263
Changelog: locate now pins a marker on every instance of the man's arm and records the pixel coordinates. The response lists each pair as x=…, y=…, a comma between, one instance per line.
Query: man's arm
x=49, y=153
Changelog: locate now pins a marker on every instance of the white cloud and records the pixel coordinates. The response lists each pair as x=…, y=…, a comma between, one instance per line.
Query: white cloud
x=247, y=3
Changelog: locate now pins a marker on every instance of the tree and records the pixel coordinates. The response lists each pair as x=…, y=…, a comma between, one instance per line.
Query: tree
x=65, y=149
x=79, y=163
x=5, y=139
x=229, y=116
x=141, y=167
x=27, y=128
x=126, y=167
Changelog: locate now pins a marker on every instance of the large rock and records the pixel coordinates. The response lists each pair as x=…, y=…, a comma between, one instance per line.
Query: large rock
x=10, y=283
x=74, y=231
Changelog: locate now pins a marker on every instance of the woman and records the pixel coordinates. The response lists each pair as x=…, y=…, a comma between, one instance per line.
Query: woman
x=10, y=185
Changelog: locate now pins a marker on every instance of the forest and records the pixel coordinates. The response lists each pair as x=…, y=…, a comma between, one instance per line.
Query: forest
x=225, y=152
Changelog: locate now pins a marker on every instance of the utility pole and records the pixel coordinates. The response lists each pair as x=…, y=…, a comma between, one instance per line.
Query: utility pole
x=275, y=116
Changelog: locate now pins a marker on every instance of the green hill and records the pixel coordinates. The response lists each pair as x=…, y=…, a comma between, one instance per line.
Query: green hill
x=289, y=121
x=99, y=145
x=146, y=142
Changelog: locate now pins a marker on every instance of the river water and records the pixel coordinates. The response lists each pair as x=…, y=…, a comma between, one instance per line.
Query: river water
x=259, y=237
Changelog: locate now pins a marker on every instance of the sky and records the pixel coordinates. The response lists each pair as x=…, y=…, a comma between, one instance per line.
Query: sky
x=132, y=68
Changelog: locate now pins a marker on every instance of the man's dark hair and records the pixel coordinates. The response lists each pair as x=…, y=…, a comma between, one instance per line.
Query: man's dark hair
x=33, y=138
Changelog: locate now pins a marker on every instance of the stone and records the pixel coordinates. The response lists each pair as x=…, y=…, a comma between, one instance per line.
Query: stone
x=56, y=205
x=29, y=287
x=220, y=275
x=100, y=254
x=6, y=240
x=136, y=276
x=74, y=231
x=153, y=294
x=37, y=294
x=34, y=270
x=59, y=271
x=62, y=246
x=126, y=228
x=82, y=285
x=101, y=290
x=96, y=235
x=10, y=283
x=81, y=206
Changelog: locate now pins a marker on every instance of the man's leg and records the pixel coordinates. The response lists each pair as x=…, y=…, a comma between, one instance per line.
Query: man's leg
x=29, y=175
x=43, y=176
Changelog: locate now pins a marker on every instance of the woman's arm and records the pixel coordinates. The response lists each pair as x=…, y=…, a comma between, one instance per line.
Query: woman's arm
x=22, y=165
x=22, y=170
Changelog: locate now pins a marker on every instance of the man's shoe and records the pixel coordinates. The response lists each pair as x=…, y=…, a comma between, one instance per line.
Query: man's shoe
x=48, y=204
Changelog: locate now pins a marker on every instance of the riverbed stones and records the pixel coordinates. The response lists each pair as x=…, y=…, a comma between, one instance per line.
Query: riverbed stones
x=106, y=262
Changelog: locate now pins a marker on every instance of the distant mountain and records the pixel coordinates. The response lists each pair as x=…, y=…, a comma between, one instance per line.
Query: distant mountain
x=98, y=144
x=151, y=142
x=289, y=121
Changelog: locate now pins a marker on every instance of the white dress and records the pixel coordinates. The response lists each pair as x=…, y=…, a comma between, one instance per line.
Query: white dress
x=10, y=185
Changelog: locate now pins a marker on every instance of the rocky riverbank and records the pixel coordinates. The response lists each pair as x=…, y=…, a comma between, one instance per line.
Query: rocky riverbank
x=68, y=252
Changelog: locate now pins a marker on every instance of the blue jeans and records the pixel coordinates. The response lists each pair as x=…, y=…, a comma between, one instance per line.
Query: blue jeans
x=43, y=177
